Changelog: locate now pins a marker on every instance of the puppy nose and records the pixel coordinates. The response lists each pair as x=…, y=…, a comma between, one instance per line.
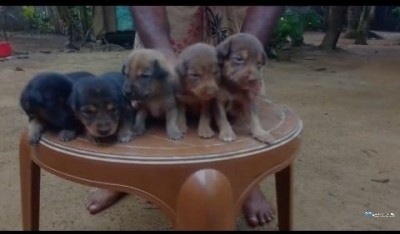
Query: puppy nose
x=103, y=132
x=103, y=128
x=127, y=90
x=212, y=90
x=252, y=77
x=209, y=92
x=145, y=94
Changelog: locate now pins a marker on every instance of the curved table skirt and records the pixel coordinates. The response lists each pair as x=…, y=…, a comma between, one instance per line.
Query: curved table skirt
x=188, y=179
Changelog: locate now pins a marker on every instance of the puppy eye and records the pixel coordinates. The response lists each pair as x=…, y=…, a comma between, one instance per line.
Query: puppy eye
x=259, y=65
x=113, y=110
x=194, y=76
x=145, y=75
x=88, y=112
x=238, y=60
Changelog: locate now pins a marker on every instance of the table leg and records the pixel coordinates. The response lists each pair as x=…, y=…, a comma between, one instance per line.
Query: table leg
x=205, y=202
x=30, y=186
x=283, y=183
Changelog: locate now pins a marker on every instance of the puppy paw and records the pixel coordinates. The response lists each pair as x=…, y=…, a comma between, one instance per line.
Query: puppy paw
x=138, y=130
x=227, y=135
x=125, y=137
x=264, y=137
x=205, y=132
x=66, y=135
x=34, y=138
x=183, y=127
x=182, y=124
x=174, y=134
x=35, y=130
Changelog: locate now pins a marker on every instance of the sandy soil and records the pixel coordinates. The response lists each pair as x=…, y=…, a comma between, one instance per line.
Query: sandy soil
x=348, y=101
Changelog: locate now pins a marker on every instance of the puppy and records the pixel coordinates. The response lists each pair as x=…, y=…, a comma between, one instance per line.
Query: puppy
x=101, y=107
x=199, y=77
x=74, y=76
x=44, y=101
x=241, y=57
x=151, y=87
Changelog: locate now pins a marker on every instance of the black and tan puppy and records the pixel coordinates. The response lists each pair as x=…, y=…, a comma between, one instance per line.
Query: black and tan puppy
x=75, y=76
x=199, y=77
x=150, y=85
x=44, y=101
x=241, y=57
x=101, y=107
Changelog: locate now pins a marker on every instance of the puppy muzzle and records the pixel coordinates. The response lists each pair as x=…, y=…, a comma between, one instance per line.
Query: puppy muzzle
x=103, y=132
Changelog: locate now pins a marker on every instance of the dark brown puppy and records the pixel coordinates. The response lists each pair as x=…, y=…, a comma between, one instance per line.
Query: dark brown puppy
x=151, y=87
x=101, y=107
x=241, y=57
x=199, y=78
x=44, y=101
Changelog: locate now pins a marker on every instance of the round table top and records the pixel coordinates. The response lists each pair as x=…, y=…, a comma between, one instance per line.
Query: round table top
x=154, y=146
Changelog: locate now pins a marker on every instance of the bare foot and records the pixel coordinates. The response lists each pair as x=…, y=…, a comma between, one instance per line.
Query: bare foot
x=100, y=199
x=257, y=209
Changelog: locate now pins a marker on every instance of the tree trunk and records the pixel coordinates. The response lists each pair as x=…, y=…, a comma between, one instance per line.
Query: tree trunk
x=55, y=20
x=84, y=18
x=353, y=18
x=74, y=29
x=372, y=14
x=335, y=24
x=326, y=16
x=362, y=29
x=3, y=13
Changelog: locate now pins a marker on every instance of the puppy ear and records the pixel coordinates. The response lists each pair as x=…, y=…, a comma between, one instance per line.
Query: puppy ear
x=159, y=71
x=264, y=57
x=181, y=68
x=71, y=101
x=125, y=68
x=34, y=99
x=223, y=50
x=25, y=103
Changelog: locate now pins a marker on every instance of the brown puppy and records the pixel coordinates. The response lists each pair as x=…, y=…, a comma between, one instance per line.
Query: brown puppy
x=199, y=77
x=151, y=87
x=241, y=57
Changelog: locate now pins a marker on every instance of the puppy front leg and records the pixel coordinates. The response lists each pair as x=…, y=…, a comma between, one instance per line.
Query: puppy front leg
x=140, y=122
x=35, y=130
x=173, y=131
x=226, y=132
x=257, y=130
x=182, y=118
x=125, y=132
x=204, y=130
x=67, y=135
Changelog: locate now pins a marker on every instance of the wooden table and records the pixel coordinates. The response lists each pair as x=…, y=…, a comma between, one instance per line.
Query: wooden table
x=200, y=184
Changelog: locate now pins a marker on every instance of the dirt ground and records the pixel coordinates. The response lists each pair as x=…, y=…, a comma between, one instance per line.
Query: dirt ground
x=348, y=164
